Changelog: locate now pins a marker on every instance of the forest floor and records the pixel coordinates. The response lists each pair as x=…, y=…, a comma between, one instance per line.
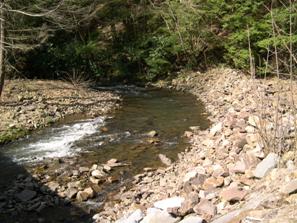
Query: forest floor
x=30, y=104
x=242, y=169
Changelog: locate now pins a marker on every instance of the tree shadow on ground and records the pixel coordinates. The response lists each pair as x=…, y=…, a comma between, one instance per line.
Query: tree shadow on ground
x=25, y=200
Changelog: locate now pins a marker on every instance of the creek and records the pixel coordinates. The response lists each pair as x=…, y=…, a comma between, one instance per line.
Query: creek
x=123, y=135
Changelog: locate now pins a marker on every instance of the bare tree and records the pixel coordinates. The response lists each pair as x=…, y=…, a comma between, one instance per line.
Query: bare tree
x=61, y=15
x=2, y=73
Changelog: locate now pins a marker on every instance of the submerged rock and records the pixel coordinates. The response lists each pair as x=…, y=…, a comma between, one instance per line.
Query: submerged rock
x=152, y=133
x=164, y=159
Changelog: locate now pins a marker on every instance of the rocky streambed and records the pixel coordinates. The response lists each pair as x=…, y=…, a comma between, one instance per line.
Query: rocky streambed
x=67, y=172
x=28, y=105
x=241, y=169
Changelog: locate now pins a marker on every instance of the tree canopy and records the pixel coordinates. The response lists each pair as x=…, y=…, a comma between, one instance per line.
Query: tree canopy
x=145, y=40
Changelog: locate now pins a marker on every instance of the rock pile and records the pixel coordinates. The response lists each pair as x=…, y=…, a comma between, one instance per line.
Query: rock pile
x=58, y=188
x=235, y=171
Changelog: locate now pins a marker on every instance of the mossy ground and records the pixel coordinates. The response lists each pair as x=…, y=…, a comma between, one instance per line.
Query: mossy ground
x=12, y=134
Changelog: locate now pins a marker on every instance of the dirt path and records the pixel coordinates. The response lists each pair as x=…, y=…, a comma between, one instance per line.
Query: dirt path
x=32, y=104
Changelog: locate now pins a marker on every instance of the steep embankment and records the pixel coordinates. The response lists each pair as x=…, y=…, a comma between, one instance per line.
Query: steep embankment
x=31, y=104
x=230, y=174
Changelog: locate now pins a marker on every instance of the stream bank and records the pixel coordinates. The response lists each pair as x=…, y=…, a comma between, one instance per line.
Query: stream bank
x=27, y=105
x=231, y=173
x=82, y=163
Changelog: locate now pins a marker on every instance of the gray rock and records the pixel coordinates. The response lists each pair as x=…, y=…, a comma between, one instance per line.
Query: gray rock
x=157, y=216
x=75, y=173
x=266, y=165
x=133, y=217
x=26, y=195
x=290, y=187
x=189, y=175
x=191, y=200
x=83, y=169
x=192, y=219
x=71, y=192
x=173, y=202
x=205, y=208
x=41, y=207
x=215, y=129
x=227, y=218
x=98, y=174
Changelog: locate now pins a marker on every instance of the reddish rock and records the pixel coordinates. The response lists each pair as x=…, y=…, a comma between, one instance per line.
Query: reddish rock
x=232, y=193
x=238, y=167
x=195, y=183
x=250, y=160
x=246, y=181
x=206, y=209
x=213, y=182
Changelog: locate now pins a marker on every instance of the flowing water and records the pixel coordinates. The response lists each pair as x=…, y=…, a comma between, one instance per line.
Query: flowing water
x=122, y=136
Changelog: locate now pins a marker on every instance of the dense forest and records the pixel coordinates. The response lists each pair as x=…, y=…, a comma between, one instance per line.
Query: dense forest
x=145, y=40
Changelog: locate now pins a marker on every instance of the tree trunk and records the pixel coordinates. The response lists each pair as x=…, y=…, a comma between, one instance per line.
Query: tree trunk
x=2, y=73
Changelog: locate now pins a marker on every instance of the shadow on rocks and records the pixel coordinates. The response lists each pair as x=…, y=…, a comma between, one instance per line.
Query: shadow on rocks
x=25, y=199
